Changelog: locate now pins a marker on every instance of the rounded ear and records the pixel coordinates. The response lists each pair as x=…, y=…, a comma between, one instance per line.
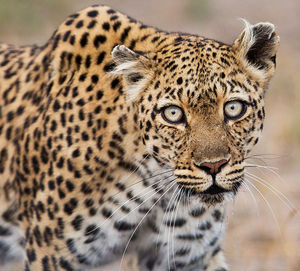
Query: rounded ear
x=257, y=46
x=134, y=67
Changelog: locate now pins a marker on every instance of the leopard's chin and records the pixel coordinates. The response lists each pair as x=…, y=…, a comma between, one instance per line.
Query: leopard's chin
x=214, y=194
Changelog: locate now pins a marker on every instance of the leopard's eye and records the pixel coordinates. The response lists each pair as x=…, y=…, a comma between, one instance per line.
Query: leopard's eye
x=173, y=114
x=234, y=110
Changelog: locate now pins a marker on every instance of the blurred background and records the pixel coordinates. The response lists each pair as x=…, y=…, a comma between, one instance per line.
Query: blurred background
x=263, y=228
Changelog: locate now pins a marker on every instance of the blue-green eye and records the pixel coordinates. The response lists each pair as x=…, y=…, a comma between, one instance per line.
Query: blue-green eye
x=234, y=110
x=173, y=114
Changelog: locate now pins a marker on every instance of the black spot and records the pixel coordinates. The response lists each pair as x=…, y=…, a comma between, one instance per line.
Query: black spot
x=182, y=251
x=88, y=61
x=84, y=136
x=71, y=246
x=205, y=226
x=92, y=211
x=10, y=116
x=178, y=222
x=70, y=186
x=197, y=212
x=35, y=164
x=20, y=110
x=72, y=40
x=69, y=22
x=111, y=11
x=125, y=33
x=79, y=24
x=190, y=237
x=124, y=226
x=106, y=26
x=84, y=39
x=95, y=78
x=99, y=39
x=106, y=212
x=217, y=215
x=109, y=67
x=100, y=58
x=45, y=263
x=216, y=250
x=70, y=206
x=77, y=222
x=179, y=81
x=114, y=83
x=78, y=60
x=31, y=256
x=213, y=241
x=4, y=231
x=92, y=24
x=92, y=13
x=92, y=229
x=85, y=189
x=116, y=25
x=44, y=155
x=65, y=264
x=89, y=202
x=76, y=153
x=66, y=35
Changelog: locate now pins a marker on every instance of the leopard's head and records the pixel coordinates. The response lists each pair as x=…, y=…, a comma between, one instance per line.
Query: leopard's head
x=200, y=105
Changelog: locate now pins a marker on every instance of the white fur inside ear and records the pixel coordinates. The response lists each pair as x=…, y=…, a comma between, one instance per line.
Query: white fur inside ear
x=133, y=90
x=248, y=38
x=130, y=64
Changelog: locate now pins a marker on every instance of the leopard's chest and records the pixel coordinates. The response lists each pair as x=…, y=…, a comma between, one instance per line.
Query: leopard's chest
x=150, y=215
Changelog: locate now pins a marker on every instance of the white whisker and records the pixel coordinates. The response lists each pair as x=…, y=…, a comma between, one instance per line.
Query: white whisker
x=126, y=247
x=252, y=196
x=267, y=203
x=273, y=189
x=170, y=219
x=173, y=239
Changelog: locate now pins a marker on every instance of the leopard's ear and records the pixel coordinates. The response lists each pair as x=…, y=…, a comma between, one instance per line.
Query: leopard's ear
x=134, y=67
x=256, y=47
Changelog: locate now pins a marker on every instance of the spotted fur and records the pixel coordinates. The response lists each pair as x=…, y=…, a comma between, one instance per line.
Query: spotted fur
x=91, y=169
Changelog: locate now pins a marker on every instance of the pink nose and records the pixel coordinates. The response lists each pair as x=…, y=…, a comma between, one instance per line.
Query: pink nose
x=213, y=167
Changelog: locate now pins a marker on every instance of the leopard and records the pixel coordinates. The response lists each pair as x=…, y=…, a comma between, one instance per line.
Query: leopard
x=118, y=138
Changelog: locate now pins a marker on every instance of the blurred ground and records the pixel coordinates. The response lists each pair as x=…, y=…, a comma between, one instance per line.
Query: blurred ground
x=260, y=238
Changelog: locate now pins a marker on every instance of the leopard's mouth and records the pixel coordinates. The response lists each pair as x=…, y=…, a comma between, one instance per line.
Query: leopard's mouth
x=214, y=189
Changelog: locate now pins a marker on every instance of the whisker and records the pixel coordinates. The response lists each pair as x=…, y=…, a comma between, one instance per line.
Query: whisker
x=126, y=247
x=137, y=195
x=169, y=228
x=260, y=166
x=167, y=211
x=155, y=192
x=274, y=190
x=140, y=181
x=170, y=219
x=267, y=203
x=252, y=196
x=270, y=169
x=265, y=156
x=173, y=239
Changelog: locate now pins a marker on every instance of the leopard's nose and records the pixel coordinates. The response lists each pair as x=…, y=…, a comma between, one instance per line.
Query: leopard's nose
x=212, y=168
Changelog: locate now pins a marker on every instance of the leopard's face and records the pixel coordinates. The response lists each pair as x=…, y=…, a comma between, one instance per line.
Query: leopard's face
x=200, y=112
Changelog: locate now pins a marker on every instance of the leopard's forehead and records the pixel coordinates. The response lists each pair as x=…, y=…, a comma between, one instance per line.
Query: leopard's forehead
x=198, y=69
